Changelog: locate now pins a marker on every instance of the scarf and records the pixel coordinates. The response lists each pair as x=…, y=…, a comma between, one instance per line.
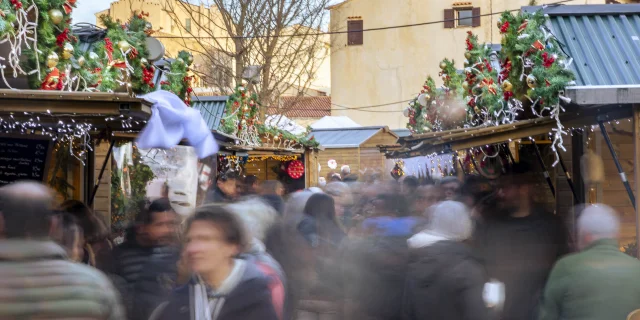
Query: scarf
x=206, y=302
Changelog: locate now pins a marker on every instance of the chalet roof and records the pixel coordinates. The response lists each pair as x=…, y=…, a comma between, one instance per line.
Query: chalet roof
x=603, y=40
x=345, y=137
x=211, y=108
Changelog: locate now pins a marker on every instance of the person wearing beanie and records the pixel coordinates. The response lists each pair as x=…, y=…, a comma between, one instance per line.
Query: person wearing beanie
x=444, y=280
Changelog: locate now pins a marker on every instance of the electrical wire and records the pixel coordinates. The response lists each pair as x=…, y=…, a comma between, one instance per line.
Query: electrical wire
x=352, y=31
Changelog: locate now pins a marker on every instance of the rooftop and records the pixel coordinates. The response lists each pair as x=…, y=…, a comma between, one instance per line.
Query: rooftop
x=603, y=40
x=303, y=107
x=344, y=137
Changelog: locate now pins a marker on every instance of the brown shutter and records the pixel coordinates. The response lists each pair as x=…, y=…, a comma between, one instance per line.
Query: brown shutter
x=449, y=19
x=475, y=12
x=355, y=36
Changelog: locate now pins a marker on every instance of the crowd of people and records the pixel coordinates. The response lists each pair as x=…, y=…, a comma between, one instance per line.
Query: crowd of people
x=353, y=249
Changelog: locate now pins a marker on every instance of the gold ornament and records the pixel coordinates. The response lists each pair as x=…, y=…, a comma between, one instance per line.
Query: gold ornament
x=477, y=110
x=443, y=65
x=245, y=108
x=67, y=51
x=532, y=82
x=467, y=55
x=81, y=61
x=276, y=138
x=56, y=16
x=124, y=45
x=243, y=122
x=427, y=97
x=507, y=86
x=465, y=85
x=52, y=60
x=144, y=62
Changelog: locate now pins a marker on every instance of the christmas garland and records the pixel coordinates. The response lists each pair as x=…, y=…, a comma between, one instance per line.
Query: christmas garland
x=242, y=120
x=43, y=48
x=525, y=79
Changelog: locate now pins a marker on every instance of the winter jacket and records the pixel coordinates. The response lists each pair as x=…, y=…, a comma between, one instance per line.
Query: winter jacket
x=37, y=282
x=599, y=283
x=444, y=281
x=520, y=252
x=127, y=264
x=215, y=195
x=155, y=284
x=375, y=270
x=243, y=295
x=274, y=273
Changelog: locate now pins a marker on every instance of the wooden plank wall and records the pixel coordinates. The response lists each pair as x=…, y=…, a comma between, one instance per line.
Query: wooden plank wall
x=102, y=201
x=348, y=156
x=612, y=191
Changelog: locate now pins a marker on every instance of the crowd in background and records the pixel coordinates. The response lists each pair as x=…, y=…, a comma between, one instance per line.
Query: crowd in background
x=356, y=248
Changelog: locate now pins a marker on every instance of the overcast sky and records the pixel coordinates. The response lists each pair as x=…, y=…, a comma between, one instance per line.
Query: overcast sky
x=85, y=10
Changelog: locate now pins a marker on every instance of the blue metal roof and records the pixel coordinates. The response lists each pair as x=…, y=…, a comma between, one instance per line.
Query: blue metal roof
x=211, y=108
x=402, y=132
x=603, y=40
x=344, y=137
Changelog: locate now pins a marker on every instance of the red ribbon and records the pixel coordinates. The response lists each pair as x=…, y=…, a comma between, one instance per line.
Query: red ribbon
x=17, y=4
x=108, y=46
x=63, y=37
x=547, y=60
x=68, y=6
x=505, y=27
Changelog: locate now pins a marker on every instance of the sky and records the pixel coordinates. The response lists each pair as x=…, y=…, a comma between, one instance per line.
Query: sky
x=85, y=10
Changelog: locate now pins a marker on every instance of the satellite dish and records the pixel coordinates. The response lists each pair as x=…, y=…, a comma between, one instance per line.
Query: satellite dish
x=155, y=48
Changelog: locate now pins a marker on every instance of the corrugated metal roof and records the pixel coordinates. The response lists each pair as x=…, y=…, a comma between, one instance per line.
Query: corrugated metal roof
x=211, y=109
x=344, y=137
x=603, y=40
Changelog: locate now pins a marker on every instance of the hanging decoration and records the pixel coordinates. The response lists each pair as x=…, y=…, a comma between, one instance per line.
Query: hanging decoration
x=295, y=169
x=242, y=119
x=397, y=172
x=332, y=164
x=528, y=81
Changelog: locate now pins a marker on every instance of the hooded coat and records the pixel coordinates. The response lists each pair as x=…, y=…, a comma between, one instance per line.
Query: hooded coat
x=444, y=281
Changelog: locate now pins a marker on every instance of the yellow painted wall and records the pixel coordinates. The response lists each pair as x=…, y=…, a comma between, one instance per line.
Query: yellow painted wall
x=393, y=64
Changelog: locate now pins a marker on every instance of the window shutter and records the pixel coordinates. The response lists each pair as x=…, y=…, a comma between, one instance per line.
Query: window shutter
x=355, y=36
x=476, y=21
x=449, y=19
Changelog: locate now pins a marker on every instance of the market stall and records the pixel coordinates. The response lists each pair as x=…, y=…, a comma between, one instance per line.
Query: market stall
x=589, y=88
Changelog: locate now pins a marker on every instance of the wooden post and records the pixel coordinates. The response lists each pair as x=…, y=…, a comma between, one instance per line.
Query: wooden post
x=636, y=171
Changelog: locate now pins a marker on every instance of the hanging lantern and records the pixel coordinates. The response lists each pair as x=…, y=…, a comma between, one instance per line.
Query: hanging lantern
x=295, y=169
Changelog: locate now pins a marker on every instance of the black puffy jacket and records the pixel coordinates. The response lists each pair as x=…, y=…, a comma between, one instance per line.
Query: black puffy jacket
x=444, y=281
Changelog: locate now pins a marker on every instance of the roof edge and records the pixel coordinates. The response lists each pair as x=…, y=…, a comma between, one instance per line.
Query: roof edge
x=337, y=5
x=209, y=98
x=585, y=9
x=350, y=128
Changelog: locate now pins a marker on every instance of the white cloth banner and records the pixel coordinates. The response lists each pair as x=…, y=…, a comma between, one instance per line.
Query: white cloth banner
x=171, y=121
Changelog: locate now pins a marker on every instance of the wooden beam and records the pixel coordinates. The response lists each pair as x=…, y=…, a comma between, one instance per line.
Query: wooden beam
x=636, y=171
x=602, y=95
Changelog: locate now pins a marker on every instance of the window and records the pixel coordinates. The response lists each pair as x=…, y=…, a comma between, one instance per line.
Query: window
x=462, y=17
x=187, y=25
x=355, y=33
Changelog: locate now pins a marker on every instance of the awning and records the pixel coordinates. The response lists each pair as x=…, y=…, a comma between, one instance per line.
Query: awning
x=466, y=138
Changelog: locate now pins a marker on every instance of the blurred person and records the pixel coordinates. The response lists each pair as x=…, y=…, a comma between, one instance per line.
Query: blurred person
x=322, y=181
x=145, y=264
x=251, y=185
x=425, y=197
x=444, y=280
x=38, y=280
x=343, y=200
x=345, y=170
x=72, y=238
x=374, y=266
x=321, y=290
x=272, y=192
x=450, y=186
x=225, y=189
x=335, y=178
x=478, y=194
x=347, y=176
x=290, y=249
x=520, y=245
x=409, y=186
x=223, y=287
x=258, y=218
x=97, y=247
x=600, y=282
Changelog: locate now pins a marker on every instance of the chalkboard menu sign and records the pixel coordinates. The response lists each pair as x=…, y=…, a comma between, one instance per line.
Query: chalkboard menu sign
x=24, y=158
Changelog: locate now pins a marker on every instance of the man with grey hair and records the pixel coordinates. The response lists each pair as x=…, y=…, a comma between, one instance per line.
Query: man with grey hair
x=444, y=280
x=38, y=280
x=600, y=282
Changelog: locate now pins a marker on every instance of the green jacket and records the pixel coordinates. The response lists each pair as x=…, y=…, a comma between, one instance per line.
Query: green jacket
x=599, y=283
x=38, y=282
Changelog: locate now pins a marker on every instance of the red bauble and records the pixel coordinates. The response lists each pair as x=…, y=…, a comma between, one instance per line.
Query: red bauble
x=295, y=169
